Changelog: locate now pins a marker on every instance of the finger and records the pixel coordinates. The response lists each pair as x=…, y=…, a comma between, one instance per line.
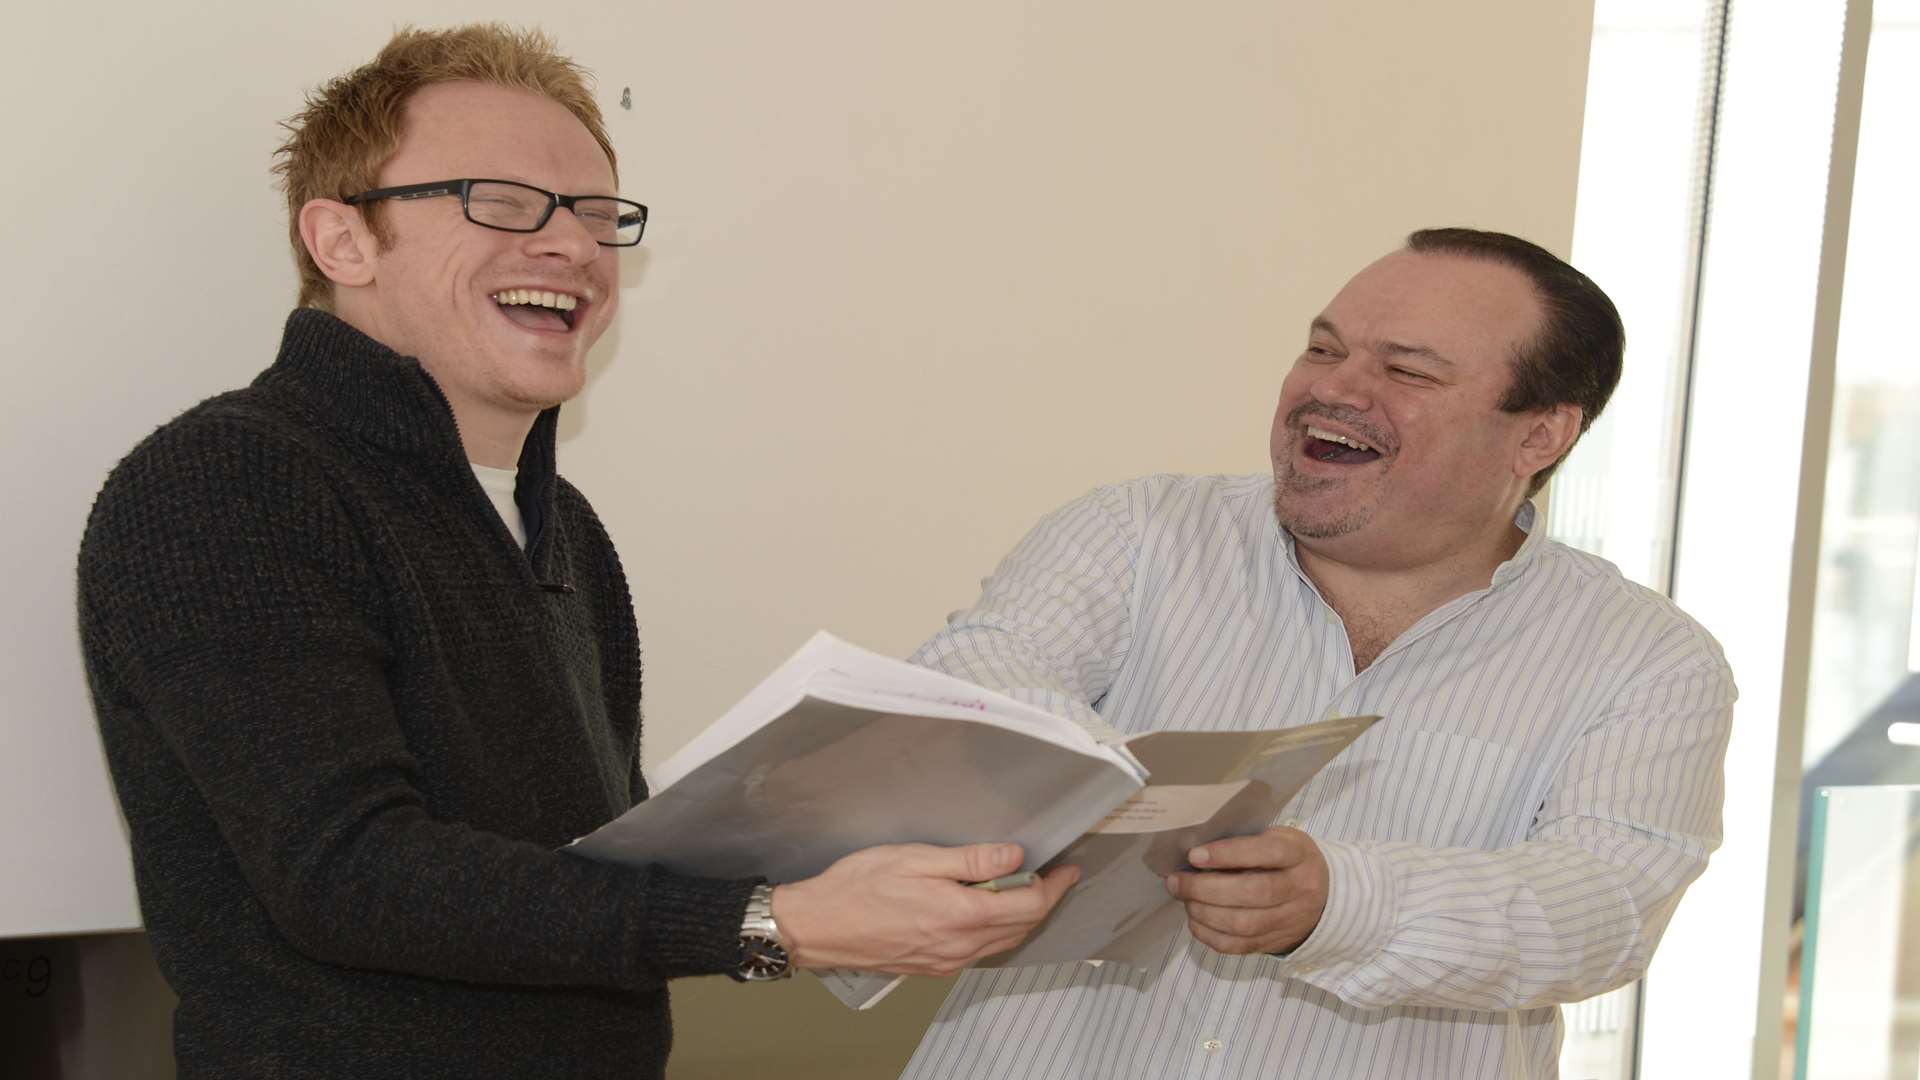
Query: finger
x=1055, y=883
x=1240, y=922
x=966, y=862
x=1244, y=930
x=1024, y=907
x=1212, y=939
x=1241, y=889
x=1275, y=849
x=984, y=862
x=1228, y=944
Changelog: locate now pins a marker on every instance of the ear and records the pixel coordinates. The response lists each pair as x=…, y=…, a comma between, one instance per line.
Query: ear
x=339, y=241
x=1549, y=435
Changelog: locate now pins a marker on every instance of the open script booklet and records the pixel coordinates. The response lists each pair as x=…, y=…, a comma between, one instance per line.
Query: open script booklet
x=841, y=749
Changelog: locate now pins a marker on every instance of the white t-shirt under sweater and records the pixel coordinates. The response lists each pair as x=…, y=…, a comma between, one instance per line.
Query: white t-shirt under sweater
x=499, y=485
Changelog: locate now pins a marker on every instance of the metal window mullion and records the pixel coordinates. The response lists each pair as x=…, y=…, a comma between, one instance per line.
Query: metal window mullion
x=1713, y=94
x=1714, y=76
x=1815, y=447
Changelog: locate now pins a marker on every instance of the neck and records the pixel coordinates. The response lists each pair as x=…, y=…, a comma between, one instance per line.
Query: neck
x=1404, y=590
x=491, y=438
x=490, y=434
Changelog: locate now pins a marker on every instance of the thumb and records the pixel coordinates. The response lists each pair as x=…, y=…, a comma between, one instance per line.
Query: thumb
x=982, y=862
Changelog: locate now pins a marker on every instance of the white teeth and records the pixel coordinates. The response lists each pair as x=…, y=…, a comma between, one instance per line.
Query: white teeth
x=537, y=298
x=1328, y=436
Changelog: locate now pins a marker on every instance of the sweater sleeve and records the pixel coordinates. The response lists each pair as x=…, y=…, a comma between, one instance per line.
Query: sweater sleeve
x=227, y=606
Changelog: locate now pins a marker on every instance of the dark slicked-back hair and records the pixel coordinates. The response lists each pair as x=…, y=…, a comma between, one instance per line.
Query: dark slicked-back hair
x=1574, y=358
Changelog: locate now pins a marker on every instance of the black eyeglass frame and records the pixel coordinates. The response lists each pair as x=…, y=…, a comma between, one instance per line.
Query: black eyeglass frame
x=461, y=188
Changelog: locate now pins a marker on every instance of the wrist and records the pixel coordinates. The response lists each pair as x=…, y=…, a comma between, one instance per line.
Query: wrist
x=1357, y=919
x=780, y=903
x=764, y=948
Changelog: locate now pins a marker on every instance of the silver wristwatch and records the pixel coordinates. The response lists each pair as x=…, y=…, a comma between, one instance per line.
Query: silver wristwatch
x=763, y=952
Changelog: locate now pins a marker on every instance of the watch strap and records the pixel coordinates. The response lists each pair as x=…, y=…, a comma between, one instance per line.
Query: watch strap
x=763, y=951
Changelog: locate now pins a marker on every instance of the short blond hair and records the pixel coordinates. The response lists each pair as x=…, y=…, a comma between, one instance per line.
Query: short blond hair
x=351, y=126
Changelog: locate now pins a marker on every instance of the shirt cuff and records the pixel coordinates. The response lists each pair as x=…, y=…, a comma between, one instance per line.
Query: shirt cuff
x=1362, y=897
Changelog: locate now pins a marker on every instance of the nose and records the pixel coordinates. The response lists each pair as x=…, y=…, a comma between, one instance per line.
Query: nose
x=1347, y=383
x=563, y=236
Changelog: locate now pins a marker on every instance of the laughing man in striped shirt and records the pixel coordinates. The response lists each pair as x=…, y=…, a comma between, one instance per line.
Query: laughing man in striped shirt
x=1514, y=834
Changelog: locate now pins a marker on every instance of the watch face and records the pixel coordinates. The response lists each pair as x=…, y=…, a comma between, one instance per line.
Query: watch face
x=762, y=959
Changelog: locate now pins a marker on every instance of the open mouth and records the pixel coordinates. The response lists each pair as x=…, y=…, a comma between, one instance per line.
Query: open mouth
x=537, y=309
x=1335, y=448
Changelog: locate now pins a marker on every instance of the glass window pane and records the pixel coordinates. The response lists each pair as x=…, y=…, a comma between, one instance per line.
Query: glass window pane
x=1863, y=954
x=1748, y=407
x=1648, y=94
x=1863, y=699
x=1633, y=234
x=1864, y=620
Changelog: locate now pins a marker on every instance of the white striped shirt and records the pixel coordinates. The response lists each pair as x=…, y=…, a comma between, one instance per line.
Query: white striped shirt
x=1514, y=834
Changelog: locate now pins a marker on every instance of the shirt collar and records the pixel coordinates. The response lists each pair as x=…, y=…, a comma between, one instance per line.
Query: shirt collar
x=1524, y=519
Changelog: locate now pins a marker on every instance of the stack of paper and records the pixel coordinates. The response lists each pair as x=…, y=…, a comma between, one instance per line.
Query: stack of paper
x=841, y=749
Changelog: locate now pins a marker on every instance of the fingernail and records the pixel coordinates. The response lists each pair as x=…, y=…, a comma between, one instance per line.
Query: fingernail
x=1198, y=856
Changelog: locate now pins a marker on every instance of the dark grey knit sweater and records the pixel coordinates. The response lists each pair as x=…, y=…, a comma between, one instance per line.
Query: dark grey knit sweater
x=350, y=721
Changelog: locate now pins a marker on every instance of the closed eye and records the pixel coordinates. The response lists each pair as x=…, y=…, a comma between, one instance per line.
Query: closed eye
x=1411, y=375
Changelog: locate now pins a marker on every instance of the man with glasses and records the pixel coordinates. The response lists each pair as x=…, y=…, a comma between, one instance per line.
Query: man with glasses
x=362, y=661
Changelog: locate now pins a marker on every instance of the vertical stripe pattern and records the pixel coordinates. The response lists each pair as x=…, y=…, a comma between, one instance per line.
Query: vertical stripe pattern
x=1514, y=834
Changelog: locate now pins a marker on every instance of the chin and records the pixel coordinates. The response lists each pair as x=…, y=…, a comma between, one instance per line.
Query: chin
x=544, y=381
x=549, y=395
x=1318, y=522
x=1323, y=528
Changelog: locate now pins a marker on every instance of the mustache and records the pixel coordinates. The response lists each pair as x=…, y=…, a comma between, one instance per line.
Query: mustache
x=1351, y=419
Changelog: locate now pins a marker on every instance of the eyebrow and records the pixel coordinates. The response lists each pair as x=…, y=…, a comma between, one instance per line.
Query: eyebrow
x=1394, y=348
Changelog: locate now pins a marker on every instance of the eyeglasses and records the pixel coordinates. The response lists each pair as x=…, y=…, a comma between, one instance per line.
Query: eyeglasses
x=523, y=208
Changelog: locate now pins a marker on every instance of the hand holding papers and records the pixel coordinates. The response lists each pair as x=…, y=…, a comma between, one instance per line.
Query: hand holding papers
x=1205, y=785
x=841, y=749
x=901, y=909
x=1270, y=898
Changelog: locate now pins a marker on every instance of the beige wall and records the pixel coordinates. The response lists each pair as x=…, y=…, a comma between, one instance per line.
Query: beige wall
x=917, y=273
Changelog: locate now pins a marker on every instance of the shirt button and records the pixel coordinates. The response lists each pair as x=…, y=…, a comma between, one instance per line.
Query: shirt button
x=1212, y=1046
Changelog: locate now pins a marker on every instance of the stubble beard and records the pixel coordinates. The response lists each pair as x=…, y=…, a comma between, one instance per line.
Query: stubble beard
x=1339, y=521
x=1290, y=489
